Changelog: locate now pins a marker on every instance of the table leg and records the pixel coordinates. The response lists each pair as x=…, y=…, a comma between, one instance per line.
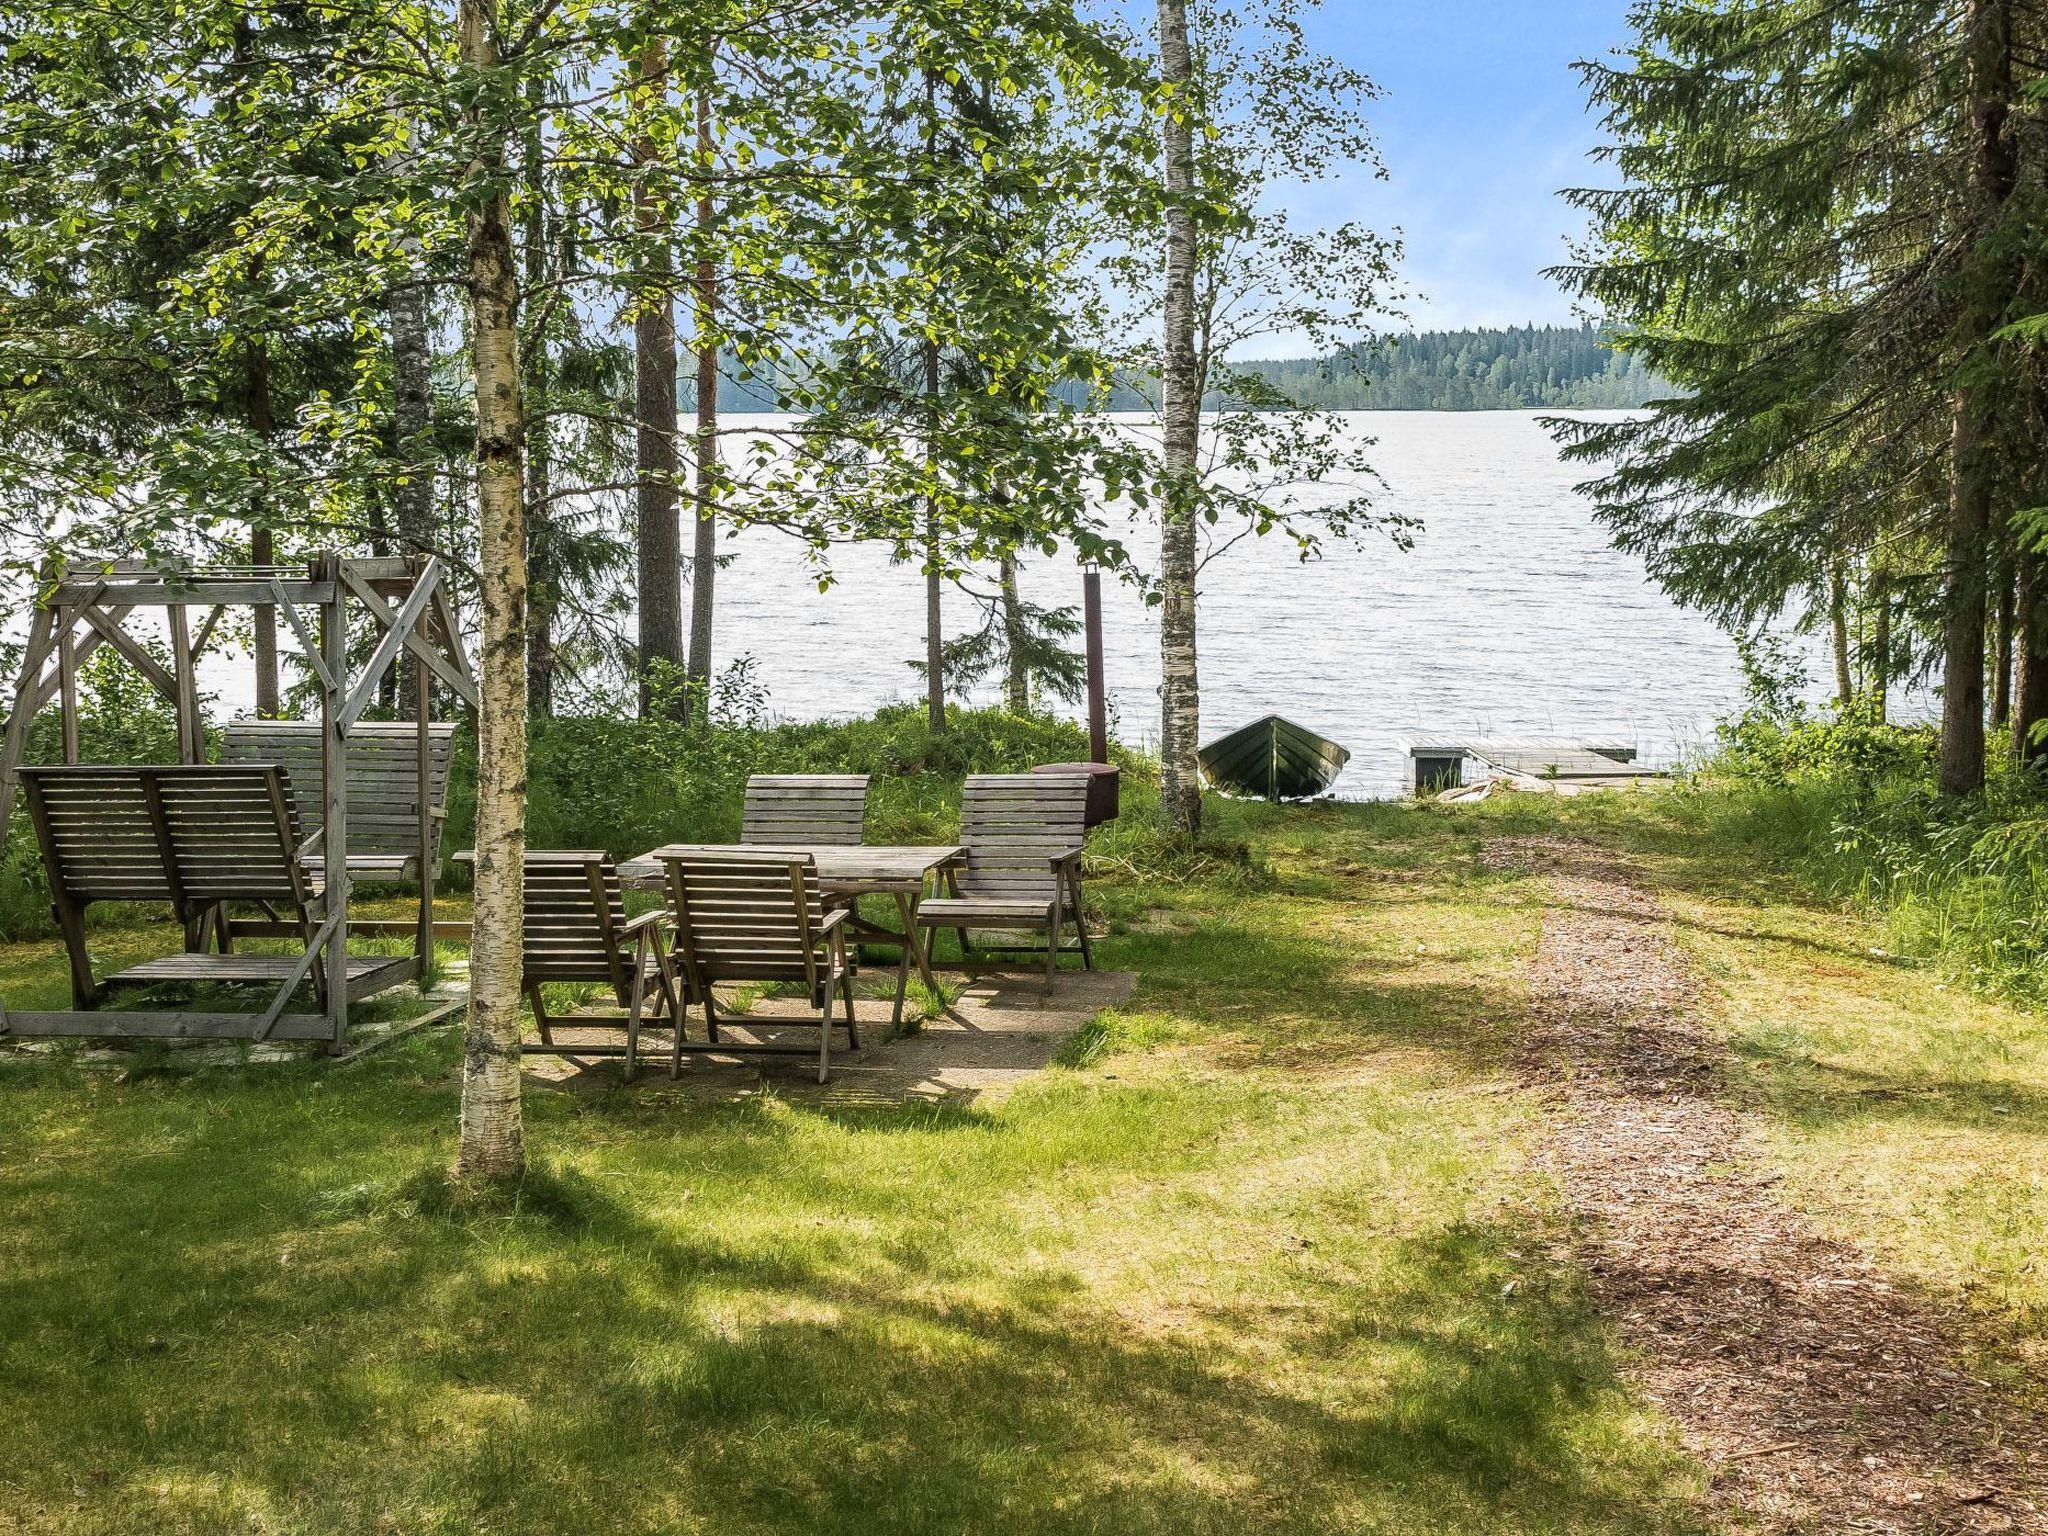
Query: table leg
x=907, y=909
x=910, y=903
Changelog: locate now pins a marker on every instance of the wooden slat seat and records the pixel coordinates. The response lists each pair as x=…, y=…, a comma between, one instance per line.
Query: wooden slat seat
x=382, y=760
x=805, y=809
x=576, y=930
x=758, y=916
x=221, y=834
x=992, y=909
x=1023, y=833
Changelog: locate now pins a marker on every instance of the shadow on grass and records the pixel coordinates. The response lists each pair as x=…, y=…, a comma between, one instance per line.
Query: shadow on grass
x=564, y=1359
x=1819, y=1092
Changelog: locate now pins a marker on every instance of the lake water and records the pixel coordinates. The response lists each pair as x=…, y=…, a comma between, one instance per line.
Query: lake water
x=1511, y=616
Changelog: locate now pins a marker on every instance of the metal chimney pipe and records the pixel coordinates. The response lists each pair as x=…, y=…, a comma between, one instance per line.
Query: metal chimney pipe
x=1098, y=704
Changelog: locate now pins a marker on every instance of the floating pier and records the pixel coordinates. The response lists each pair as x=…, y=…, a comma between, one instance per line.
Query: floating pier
x=1437, y=762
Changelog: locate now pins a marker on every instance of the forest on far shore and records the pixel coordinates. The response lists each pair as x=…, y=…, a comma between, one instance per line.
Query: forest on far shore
x=1519, y=368
x=1513, y=368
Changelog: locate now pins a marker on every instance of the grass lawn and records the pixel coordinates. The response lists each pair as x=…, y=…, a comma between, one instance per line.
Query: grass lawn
x=1267, y=1251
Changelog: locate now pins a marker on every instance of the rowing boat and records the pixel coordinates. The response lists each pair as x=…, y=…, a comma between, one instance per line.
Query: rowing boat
x=1273, y=759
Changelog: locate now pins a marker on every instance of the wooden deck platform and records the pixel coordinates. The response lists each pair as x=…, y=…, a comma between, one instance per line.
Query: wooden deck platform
x=1438, y=761
x=367, y=974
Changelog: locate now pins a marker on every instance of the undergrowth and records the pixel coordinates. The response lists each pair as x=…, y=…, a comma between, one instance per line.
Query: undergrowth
x=1850, y=804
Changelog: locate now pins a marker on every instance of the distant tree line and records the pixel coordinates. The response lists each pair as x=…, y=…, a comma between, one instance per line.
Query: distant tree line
x=1515, y=368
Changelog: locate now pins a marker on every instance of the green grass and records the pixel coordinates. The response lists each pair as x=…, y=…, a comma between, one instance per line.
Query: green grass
x=1267, y=1252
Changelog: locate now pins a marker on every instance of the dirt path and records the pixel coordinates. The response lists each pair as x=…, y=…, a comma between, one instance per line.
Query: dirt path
x=1822, y=1396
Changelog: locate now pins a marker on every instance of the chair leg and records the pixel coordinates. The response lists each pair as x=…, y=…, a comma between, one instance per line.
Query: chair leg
x=680, y=1016
x=633, y=1010
x=846, y=991
x=85, y=991
x=825, y=1039
x=540, y=1014
x=1052, y=949
x=1081, y=927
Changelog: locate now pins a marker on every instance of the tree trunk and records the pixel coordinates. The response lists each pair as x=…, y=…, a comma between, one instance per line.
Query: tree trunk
x=1838, y=619
x=2030, y=660
x=543, y=577
x=1017, y=682
x=1970, y=455
x=934, y=591
x=2002, y=650
x=654, y=383
x=1879, y=667
x=704, y=550
x=262, y=546
x=934, y=629
x=492, y=1143
x=412, y=425
x=1180, y=787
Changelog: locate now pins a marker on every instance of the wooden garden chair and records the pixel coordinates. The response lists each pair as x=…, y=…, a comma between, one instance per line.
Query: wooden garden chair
x=199, y=836
x=803, y=810
x=381, y=759
x=758, y=917
x=576, y=930
x=1023, y=834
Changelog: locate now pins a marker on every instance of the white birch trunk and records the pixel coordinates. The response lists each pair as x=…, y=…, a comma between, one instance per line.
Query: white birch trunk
x=492, y=1143
x=1180, y=787
x=704, y=551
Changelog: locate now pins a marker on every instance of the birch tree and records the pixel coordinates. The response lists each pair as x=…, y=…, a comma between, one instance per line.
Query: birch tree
x=492, y=1144
x=1180, y=414
x=704, y=291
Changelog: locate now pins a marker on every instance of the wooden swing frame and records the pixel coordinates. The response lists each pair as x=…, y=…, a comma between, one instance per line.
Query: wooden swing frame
x=84, y=605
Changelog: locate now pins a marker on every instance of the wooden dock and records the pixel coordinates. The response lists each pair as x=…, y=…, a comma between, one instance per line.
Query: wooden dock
x=1438, y=762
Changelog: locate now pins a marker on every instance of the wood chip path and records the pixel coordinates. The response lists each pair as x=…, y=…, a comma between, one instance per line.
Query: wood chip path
x=1822, y=1395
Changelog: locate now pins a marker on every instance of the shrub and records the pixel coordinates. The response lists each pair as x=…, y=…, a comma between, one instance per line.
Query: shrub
x=1851, y=804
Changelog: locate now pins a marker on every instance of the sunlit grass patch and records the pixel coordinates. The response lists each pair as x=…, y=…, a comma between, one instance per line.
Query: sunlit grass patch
x=1265, y=1251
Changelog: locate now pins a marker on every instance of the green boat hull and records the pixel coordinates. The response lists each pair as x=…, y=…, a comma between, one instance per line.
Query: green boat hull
x=1273, y=759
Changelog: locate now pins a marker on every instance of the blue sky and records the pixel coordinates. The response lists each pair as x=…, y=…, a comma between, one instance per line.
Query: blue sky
x=1483, y=121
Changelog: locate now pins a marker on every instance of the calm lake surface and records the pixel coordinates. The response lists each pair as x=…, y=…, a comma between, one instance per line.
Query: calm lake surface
x=1511, y=616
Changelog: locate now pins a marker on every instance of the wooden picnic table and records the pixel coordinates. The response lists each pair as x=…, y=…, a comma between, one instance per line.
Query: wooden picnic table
x=845, y=872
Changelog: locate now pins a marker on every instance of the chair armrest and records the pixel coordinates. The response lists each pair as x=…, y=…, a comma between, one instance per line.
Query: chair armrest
x=633, y=925
x=1066, y=856
x=834, y=920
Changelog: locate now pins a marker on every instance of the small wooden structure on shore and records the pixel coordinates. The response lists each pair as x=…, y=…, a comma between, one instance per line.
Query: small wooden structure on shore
x=203, y=836
x=1437, y=762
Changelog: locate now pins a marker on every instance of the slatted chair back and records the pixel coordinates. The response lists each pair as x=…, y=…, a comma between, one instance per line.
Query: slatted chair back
x=232, y=834
x=575, y=908
x=382, y=764
x=747, y=917
x=1014, y=825
x=805, y=809
x=98, y=834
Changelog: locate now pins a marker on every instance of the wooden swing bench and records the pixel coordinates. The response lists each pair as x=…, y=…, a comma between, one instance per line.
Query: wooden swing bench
x=208, y=838
x=198, y=837
x=381, y=760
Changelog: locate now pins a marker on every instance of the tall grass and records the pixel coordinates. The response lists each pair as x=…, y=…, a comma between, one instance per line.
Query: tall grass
x=1851, y=806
